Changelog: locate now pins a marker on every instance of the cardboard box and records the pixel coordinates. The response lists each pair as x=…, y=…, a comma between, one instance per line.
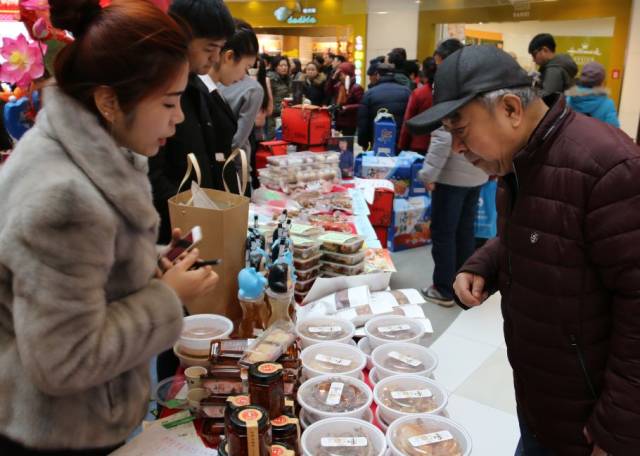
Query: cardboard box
x=396, y=169
x=417, y=186
x=267, y=149
x=411, y=226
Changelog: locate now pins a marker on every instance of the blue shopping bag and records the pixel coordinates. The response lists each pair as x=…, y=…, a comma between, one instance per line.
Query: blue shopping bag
x=486, y=225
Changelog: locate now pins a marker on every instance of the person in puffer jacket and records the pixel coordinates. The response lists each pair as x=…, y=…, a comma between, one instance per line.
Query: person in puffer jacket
x=567, y=257
x=590, y=98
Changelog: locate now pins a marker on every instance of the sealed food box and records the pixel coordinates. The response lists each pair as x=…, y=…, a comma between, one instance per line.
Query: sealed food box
x=341, y=242
x=411, y=223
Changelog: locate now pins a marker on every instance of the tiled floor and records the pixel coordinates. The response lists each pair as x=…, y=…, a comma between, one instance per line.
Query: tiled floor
x=474, y=368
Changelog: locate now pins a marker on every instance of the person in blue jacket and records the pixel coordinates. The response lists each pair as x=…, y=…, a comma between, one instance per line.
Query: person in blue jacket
x=590, y=98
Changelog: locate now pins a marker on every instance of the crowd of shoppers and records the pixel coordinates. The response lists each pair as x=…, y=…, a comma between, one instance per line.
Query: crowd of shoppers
x=138, y=90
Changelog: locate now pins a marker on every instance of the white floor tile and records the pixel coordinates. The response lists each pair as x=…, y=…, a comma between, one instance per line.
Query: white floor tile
x=493, y=432
x=482, y=323
x=492, y=384
x=459, y=357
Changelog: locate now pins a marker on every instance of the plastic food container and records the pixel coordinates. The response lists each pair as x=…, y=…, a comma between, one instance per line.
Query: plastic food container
x=172, y=393
x=343, y=436
x=403, y=358
x=363, y=345
x=392, y=328
x=331, y=358
x=373, y=377
x=307, y=249
x=402, y=395
x=304, y=286
x=419, y=435
x=309, y=263
x=341, y=243
x=307, y=419
x=343, y=258
x=309, y=274
x=199, y=330
x=324, y=329
x=333, y=396
x=342, y=269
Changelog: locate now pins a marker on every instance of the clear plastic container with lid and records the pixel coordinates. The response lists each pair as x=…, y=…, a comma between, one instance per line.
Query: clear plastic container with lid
x=363, y=345
x=428, y=435
x=341, y=242
x=402, y=395
x=330, y=396
x=342, y=269
x=307, y=419
x=403, y=358
x=309, y=263
x=305, y=248
x=349, y=259
x=309, y=274
x=343, y=437
x=324, y=329
x=393, y=328
x=303, y=286
x=333, y=358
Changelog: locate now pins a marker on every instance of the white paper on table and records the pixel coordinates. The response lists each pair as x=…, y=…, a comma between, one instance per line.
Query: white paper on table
x=325, y=286
x=413, y=295
x=368, y=187
x=158, y=441
x=358, y=202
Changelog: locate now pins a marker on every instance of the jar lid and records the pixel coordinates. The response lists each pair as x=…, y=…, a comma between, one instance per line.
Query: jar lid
x=265, y=372
x=248, y=416
x=240, y=400
x=222, y=448
x=280, y=449
x=283, y=426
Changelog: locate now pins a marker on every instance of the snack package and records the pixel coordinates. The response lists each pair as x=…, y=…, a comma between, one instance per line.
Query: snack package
x=275, y=341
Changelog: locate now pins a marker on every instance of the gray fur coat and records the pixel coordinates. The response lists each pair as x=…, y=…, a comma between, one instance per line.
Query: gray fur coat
x=80, y=312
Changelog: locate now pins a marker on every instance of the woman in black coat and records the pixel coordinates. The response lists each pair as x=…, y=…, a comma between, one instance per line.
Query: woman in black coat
x=314, y=85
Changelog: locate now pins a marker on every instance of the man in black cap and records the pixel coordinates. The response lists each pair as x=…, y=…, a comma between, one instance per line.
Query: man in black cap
x=567, y=256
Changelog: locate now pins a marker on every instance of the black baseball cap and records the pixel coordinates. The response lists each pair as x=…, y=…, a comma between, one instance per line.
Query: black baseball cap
x=465, y=74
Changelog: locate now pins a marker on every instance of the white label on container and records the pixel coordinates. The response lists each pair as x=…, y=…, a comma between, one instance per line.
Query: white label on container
x=429, y=439
x=333, y=360
x=335, y=393
x=393, y=328
x=404, y=359
x=411, y=394
x=343, y=442
x=324, y=329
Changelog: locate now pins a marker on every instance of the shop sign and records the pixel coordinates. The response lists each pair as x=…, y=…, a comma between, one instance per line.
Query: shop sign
x=586, y=48
x=297, y=16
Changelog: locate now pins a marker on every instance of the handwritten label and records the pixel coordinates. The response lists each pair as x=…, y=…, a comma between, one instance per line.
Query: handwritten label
x=393, y=328
x=324, y=329
x=430, y=439
x=343, y=442
x=335, y=393
x=411, y=394
x=333, y=360
x=404, y=359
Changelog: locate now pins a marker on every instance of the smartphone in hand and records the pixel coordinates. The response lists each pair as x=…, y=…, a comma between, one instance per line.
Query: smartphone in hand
x=186, y=244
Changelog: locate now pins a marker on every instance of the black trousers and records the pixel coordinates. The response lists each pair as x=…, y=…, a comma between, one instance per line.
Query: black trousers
x=10, y=448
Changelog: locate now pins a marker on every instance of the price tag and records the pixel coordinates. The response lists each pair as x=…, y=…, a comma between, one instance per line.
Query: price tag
x=430, y=439
x=393, y=328
x=411, y=394
x=404, y=359
x=343, y=442
x=324, y=329
x=335, y=393
x=333, y=360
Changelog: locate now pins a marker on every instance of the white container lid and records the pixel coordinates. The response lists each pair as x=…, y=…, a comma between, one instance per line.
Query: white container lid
x=330, y=358
x=199, y=330
x=342, y=436
x=324, y=329
x=403, y=358
x=363, y=345
x=307, y=419
x=330, y=396
x=412, y=435
x=392, y=328
x=402, y=395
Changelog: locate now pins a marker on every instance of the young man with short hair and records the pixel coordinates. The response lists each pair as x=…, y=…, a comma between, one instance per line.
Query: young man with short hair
x=567, y=257
x=558, y=71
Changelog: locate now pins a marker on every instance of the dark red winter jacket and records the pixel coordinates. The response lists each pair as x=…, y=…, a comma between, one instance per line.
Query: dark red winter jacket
x=421, y=99
x=567, y=263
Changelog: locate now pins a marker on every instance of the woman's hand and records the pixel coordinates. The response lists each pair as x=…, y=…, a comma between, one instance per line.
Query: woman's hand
x=187, y=284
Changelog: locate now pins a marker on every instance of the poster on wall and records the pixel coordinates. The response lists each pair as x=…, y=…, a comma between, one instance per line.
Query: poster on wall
x=585, y=49
x=9, y=10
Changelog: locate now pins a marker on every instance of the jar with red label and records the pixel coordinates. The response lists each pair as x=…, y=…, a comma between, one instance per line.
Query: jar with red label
x=249, y=432
x=234, y=403
x=266, y=387
x=285, y=430
x=280, y=449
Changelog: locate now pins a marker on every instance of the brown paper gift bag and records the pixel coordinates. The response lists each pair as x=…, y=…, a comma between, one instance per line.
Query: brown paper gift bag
x=224, y=233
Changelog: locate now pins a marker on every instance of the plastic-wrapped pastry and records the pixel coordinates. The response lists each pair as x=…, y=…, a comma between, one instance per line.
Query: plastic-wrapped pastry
x=425, y=438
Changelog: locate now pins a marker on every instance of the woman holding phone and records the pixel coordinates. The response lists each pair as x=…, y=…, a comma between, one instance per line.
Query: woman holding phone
x=84, y=305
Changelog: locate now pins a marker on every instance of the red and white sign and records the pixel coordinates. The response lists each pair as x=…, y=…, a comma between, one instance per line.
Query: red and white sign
x=615, y=74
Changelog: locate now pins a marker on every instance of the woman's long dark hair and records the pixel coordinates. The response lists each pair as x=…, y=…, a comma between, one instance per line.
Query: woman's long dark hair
x=261, y=77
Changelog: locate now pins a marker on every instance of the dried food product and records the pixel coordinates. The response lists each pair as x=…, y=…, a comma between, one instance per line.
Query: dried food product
x=419, y=400
x=423, y=437
x=341, y=242
x=336, y=396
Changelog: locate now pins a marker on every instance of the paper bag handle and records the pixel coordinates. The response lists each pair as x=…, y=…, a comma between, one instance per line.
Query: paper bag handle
x=243, y=179
x=192, y=164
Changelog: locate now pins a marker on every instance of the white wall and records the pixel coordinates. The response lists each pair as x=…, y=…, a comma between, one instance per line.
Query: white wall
x=397, y=28
x=630, y=101
x=517, y=35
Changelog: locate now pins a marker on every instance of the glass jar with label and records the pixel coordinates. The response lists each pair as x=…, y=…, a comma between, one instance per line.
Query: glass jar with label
x=249, y=432
x=233, y=404
x=266, y=387
x=279, y=449
x=286, y=430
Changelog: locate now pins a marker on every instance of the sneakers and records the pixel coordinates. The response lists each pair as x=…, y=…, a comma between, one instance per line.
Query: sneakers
x=433, y=295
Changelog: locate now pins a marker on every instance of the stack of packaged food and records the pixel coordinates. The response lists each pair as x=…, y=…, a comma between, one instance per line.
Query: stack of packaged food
x=342, y=254
x=301, y=170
